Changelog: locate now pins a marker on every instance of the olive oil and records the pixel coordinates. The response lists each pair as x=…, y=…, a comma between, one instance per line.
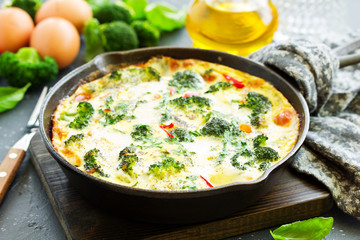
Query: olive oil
x=236, y=26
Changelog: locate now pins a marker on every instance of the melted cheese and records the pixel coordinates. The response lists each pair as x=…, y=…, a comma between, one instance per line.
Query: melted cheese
x=206, y=161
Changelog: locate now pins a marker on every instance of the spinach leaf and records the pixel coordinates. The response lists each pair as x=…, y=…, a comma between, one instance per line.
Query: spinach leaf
x=10, y=96
x=164, y=17
x=138, y=6
x=314, y=229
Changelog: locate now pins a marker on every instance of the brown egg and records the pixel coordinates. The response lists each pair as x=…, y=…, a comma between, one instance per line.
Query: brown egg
x=75, y=11
x=16, y=27
x=57, y=38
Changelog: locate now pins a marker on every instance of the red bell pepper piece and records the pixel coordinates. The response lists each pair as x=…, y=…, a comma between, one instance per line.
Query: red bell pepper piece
x=172, y=90
x=191, y=94
x=235, y=82
x=171, y=125
x=207, y=182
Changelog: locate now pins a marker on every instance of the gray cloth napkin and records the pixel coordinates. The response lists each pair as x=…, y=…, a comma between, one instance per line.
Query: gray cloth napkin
x=331, y=152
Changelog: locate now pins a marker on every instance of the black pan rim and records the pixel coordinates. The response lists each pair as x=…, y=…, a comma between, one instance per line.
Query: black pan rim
x=236, y=186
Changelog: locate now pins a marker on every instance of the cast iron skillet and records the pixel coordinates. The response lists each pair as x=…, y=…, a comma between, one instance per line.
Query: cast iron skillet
x=169, y=206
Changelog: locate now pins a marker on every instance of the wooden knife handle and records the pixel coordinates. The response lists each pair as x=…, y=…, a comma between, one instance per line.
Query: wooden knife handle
x=8, y=169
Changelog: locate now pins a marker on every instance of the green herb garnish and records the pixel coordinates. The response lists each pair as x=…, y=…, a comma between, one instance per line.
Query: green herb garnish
x=218, y=86
x=311, y=229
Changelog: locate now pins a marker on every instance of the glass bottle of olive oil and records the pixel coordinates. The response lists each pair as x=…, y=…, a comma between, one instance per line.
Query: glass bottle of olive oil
x=236, y=26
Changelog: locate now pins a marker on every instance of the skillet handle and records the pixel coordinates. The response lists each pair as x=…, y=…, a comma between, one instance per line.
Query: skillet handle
x=8, y=169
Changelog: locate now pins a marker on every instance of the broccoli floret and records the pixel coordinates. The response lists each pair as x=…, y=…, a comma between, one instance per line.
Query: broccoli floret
x=217, y=127
x=166, y=167
x=118, y=36
x=84, y=113
x=135, y=75
x=91, y=164
x=259, y=104
x=188, y=79
x=188, y=102
x=217, y=86
x=264, y=165
x=182, y=135
x=235, y=163
x=140, y=132
x=26, y=66
x=114, y=36
x=147, y=34
x=128, y=160
x=150, y=74
x=74, y=139
x=265, y=154
x=29, y=6
x=111, y=12
x=115, y=75
x=259, y=141
x=92, y=36
x=234, y=159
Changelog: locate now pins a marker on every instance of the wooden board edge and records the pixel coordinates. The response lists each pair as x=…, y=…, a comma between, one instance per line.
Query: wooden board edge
x=50, y=195
x=240, y=224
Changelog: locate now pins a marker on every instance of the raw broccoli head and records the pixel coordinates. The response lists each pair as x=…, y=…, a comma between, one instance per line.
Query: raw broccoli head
x=118, y=36
x=111, y=12
x=147, y=34
x=29, y=6
x=26, y=66
x=92, y=35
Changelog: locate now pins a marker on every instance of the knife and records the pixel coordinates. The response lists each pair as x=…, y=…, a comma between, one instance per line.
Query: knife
x=12, y=161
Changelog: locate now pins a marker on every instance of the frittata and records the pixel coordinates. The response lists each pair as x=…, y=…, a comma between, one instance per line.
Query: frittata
x=170, y=124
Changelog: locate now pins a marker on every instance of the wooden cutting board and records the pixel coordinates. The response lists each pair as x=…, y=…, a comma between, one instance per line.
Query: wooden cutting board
x=295, y=197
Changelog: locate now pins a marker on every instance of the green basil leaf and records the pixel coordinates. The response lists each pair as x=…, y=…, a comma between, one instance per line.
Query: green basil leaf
x=164, y=17
x=10, y=96
x=138, y=6
x=311, y=229
x=96, y=3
